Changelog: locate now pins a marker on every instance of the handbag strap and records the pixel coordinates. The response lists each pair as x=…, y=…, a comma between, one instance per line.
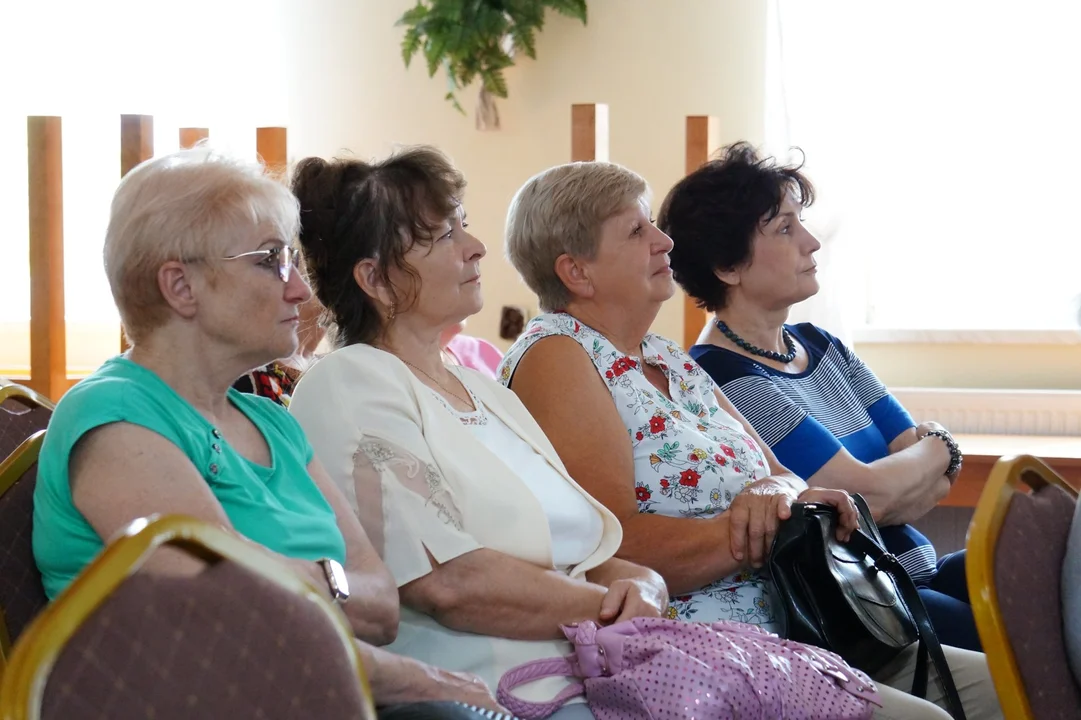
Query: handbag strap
x=536, y=670
x=929, y=644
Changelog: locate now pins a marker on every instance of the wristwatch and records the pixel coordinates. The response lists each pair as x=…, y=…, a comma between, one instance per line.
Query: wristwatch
x=956, y=458
x=336, y=579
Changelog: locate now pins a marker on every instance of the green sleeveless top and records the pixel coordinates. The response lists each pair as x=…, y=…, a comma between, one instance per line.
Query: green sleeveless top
x=278, y=506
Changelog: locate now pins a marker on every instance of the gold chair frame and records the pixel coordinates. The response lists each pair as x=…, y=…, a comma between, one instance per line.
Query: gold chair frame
x=1008, y=477
x=22, y=687
x=14, y=390
x=11, y=469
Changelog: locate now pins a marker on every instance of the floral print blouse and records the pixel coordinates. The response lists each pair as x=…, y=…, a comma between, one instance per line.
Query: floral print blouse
x=691, y=458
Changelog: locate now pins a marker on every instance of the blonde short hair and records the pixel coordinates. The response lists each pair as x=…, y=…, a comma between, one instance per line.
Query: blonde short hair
x=559, y=211
x=183, y=206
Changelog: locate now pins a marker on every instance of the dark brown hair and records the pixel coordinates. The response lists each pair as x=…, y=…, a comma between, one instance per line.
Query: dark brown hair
x=713, y=214
x=351, y=210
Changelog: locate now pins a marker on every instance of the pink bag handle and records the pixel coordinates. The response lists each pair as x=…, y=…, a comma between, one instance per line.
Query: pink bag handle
x=528, y=672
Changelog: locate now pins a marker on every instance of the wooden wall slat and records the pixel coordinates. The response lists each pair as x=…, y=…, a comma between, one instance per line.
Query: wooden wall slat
x=589, y=132
x=48, y=341
x=136, y=145
x=136, y=141
x=190, y=137
x=272, y=145
x=702, y=140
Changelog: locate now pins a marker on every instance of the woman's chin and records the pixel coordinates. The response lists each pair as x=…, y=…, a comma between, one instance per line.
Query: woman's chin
x=664, y=287
x=810, y=288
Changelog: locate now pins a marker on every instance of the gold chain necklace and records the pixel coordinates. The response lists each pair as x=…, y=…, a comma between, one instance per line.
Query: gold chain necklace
x=441, y=385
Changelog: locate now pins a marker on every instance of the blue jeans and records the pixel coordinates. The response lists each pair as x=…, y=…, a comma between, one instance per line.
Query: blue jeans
x=945, y=596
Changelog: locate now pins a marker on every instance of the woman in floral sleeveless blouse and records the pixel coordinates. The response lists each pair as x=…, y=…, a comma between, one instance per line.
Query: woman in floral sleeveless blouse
x=645, y=431
x=691, y=456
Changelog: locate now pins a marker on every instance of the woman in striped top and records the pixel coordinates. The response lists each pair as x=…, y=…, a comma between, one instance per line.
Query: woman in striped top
x=741, y=251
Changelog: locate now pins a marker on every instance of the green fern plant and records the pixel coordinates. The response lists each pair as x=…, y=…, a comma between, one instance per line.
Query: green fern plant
x=477, y=39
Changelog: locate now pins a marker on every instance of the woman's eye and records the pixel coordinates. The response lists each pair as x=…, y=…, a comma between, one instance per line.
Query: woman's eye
x=269, y=261
x=446, y=235
x=464, y=225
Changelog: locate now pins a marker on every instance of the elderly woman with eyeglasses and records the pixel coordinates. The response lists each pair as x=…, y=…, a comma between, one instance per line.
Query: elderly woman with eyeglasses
x=199, y=259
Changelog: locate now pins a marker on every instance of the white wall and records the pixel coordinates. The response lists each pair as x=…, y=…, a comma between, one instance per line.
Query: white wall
x=653, y=63
x=331, y=71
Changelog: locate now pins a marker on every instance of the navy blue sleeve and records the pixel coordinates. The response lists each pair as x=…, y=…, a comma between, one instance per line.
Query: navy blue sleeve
x=888, y=415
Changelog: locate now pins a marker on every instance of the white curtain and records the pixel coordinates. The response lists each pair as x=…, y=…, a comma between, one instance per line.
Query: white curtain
x=941, y=136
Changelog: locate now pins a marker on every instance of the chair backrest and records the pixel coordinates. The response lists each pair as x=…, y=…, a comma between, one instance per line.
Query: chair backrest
x=243, y=638
x=1016, y=545
x=22, y=413
x=22, y=596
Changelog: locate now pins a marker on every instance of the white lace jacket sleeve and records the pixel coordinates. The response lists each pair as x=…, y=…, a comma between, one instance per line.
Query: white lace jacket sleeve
x=364, y=423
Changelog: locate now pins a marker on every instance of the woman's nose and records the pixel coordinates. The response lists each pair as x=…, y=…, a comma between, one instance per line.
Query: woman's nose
x=665, y=244
x=476, y=249
x=296, y=289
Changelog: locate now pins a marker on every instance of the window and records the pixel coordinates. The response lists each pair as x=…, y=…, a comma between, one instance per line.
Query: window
x=942, y=138
x=89, y=62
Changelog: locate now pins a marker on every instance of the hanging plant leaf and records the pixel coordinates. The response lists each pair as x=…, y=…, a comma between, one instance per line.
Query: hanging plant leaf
x=473, y=39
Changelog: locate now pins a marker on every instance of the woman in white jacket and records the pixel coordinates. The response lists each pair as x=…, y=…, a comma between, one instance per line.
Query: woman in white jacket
x=492, y=544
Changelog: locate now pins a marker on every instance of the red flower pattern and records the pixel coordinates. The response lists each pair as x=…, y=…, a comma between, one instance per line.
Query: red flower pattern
x=622, y=365
x=656, y=424
x=727, y=450
x=642, y=493
x=689, y=478
x=638, y=435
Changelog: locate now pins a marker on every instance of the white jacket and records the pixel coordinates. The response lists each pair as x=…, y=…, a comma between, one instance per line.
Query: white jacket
x=420, y=481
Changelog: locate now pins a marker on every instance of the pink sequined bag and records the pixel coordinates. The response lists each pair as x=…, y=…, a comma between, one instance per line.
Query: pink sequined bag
x=649, y=668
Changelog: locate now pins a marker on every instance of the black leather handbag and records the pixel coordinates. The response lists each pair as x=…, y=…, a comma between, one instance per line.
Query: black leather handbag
x=853, y=598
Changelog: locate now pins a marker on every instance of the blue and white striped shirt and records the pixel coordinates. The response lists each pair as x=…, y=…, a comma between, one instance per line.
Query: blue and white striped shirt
x=808, y=417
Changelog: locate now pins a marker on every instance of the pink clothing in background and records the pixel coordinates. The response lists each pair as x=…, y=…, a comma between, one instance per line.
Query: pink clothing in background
x=472, y=352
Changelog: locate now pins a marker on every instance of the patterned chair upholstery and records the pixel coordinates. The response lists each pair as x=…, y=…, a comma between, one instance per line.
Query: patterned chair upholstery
x=223, y=644
x=20, y=418
x=1028, y=564
x=1016, y=546
x=21, y=594
x=241, y=638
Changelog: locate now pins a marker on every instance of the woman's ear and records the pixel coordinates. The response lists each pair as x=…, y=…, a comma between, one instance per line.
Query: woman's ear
x=366, y=276
x=575, y=276
x=175, y=285
x=728, y=277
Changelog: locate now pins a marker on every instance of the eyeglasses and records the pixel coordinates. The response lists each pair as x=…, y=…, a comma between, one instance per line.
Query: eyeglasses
x=286, y=258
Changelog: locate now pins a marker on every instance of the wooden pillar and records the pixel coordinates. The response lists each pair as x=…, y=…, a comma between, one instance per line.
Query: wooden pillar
x=702, y=140
x=136, y=145
x=136, y=141
x=48, y=341
x=589, y=132
x=190, y=137
x=272, y=146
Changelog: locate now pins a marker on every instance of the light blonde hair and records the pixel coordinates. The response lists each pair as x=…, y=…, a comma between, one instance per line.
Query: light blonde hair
x=560, y=211
x=184, y=206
